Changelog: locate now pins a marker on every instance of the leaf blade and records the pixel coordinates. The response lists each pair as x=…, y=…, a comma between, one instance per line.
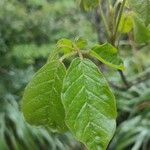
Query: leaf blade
x=107, y=54
x=41, y=104
x=85, y=92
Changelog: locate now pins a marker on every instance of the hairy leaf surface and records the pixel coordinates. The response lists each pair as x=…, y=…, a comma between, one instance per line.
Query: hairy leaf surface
x=41, y=103
x=108, y=55
x=89, y=104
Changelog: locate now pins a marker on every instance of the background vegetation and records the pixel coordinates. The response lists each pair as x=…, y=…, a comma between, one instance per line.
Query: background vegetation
x=29, y=30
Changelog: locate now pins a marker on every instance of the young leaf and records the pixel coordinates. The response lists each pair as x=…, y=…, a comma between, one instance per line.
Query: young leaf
x=81, y=43
x=89, y=104
x=141, y=32
x=65, y=45
x=41, y=104
x=126, y=24
x=53, y=55
x=107, y=54
x=141, y=8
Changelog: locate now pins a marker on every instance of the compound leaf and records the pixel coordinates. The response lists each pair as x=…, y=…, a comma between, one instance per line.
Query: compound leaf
x=41, y=104
x=108, y=55
x=89, y=105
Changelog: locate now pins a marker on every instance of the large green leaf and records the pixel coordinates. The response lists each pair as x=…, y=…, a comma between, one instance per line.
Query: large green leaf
x=41, y=103
x=88, y=4
x=108, y=55
x=141, y=8
x=141, y=32
x=89, y=104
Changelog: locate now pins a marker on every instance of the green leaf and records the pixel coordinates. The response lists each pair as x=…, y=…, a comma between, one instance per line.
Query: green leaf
x=88, y=4
x=41, y=104
x=141, y=32
x=141, y=8
x=53, y=55
x=108, y=55
x=81, y=43
x=89, y=104
x=65, y=45
x=126, y=24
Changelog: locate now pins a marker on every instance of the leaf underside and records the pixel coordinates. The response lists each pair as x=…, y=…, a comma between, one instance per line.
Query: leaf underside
x=41, y=104
x=89, y=104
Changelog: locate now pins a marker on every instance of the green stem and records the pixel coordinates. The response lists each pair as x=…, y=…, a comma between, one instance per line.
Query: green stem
x=104, y=20
x=108, y=5
x=80, y=54
x=113, y=39
x=123, y=77
x=118, y=19
x=64, y=46
x=68, y=55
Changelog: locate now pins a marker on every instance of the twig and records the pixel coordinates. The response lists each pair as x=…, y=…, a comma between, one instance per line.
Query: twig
x=139, y=79
x=80, y=54
x=117, y=87
x=114, y=36
x=123, y=77
x=143, y=105
x=68, y=55
x=118, y=20
x=78, y=51
x=104, y=20
x=113, y=39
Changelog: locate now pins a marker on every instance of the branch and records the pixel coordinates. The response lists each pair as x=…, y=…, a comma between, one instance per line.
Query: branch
x=143, y=77
x=117, y=87
x=67, y=55
x=123, y=77
x=126, y=83
x=143, y=105
x=101, y=12
x=118, y=19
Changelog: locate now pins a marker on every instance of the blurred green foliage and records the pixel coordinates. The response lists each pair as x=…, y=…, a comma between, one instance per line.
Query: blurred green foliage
x=29, y=30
